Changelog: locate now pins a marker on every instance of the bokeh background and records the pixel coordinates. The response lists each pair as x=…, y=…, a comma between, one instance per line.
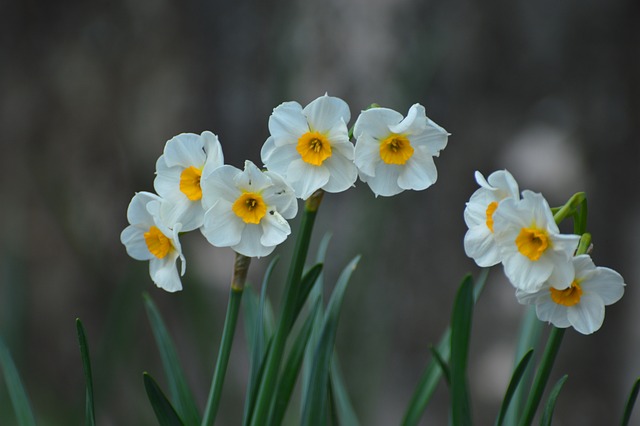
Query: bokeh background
x=90, y=91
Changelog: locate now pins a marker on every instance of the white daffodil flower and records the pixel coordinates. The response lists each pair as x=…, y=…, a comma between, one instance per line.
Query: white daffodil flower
x=147, y=238
x=394, y=153
x=186, y=158
x=310, y=147
x=581, y=305
x=533, y=250
x=247, y=210
x=479, y=243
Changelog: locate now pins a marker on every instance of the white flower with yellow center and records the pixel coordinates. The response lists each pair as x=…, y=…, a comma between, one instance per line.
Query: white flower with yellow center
x=479, y=243
x=247, y=210
x=532, y=248
x=394, y=153
x=147, y=238
x=186, y=158
x=310, y=147
x=581, y=305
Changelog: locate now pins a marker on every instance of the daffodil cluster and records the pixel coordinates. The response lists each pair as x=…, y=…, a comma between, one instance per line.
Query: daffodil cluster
x=520, y=231
x=309, y=149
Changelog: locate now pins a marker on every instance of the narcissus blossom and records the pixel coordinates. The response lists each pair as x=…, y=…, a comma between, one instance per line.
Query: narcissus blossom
x=186, y=158
x=310, y=147
x=479, y=242
x=147, y=238
x=394, y=153
x=533, y=250
x=581, y=305
x=247, y=210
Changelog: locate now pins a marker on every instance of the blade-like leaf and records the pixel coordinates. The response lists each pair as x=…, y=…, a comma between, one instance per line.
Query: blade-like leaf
x=306, y=284
x=178, y=388
x=340, y=397
x=460, y=334
x=518, y=372
x=251, y=398
x=547, y=415
x=291, y=369
x=165, y=413
x=432, y=373
x=315, y=404
x=442, y=364
x=19, y=398
x=90, y=418
x=628, y=408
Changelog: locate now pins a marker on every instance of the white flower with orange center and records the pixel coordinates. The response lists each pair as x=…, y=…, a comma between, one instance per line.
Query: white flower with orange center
x=581, y=305
x=147, y=238
x=533, y=250
x=247, y=210
x=479, y=242
x=309, y=147
x=179, y=170
x=394, y=153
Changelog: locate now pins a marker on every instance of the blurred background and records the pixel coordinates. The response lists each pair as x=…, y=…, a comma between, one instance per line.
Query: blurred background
x=91, y=91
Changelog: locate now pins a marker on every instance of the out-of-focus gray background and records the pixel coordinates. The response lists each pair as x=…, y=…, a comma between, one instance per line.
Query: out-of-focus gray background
x=90, y=92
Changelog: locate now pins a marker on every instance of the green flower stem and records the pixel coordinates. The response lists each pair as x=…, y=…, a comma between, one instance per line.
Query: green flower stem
x=570, y=207
x=240, y=269
x=266, y=390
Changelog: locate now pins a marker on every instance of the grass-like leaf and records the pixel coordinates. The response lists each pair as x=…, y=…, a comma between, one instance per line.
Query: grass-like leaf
x=315, y=404
x=460, y=334
x=306, y=284
x=178, y=388
x=547, y=414
x=165, y=413
x=628, y=408
x=518, y=372
x=90, y=418
x=291, y=369
x=341, y=403
x=19, y=398
x=432, y=373
x=441, y=363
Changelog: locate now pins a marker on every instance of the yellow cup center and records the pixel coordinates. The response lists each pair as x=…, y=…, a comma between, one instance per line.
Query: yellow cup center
x=569, y=296
x=157, y=243
x=314, y=148
x=395, y=149
x=532, y=242
x=491, y=208
x=250, y=207
x=190, y=183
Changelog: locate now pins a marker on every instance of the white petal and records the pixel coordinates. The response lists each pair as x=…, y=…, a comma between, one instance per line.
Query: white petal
x=305, y=179
x=133, y=239
x=167, y=180
x=418, y=173
x=327, y=112
x=525, y=274
x=525, y=298
x=184, y=211
x=137, y=213
x=185, y=150
x=385, y=181
x=375, y=123
x=564, y=245
x=221, y=226
x=164, y=273
x=606, y=283
x=251, y=179
x=287, y=123
x=504, y=181
x=367, y=154
x=414, y=123
x=250, y=245
x=219, y=185
x=563, y=273
x=213, y=151
x=342, y=173
x=281, y=196
x=583, y=265
x=587, y=316
x=278, y=158
x=549, y=311
x=433, y=139
x=481, y=247
x=275, y=229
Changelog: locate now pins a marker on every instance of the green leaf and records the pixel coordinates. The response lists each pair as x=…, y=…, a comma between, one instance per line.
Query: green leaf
x=518, y=372
x=165, y=413
x=547, y=415
x=178, y=388
x=628, y=408
x=432, y=373
x=580, y=218
x=306, y=284
x=90, y=418
x=251, y=397
x=340, y=397
x=460, y=334
x=18, y=395
x=441, y=363
x=291, y=369
x=315, y=404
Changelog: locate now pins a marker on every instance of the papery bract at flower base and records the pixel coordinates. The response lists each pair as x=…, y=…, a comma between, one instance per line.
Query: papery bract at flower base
x=186, y=158
x=394, y=153
x=532, y=248
x=479, y=242
x=310, y=147
x=581, y=305
x=147, y=238
x=247, y=210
